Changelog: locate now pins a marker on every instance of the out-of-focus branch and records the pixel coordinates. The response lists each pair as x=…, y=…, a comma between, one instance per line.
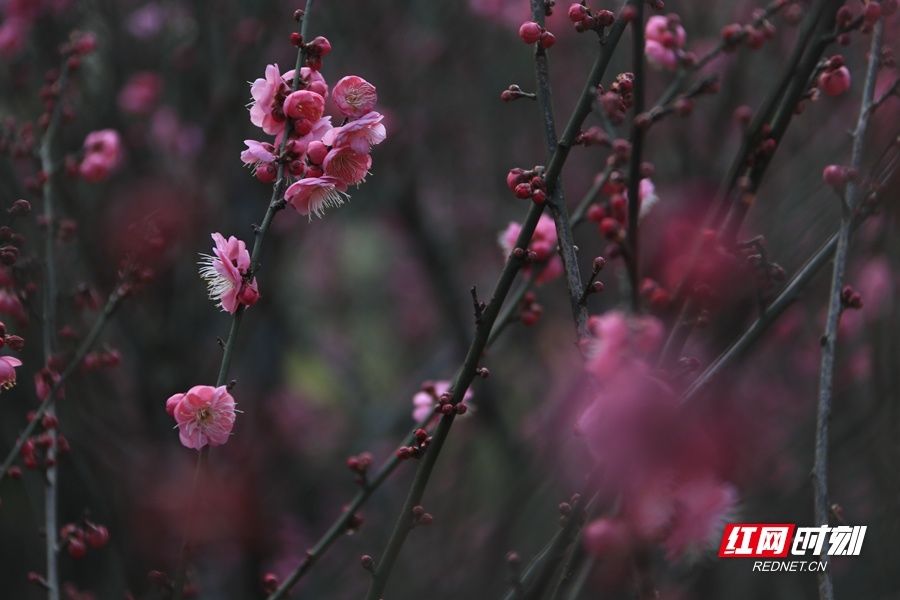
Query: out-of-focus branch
x=637, y=145
x=558, y=209
x=792, y=290
x=112, y=303
x=850, y=202
x=811, y=43
x=461, y=382
x=49, y=168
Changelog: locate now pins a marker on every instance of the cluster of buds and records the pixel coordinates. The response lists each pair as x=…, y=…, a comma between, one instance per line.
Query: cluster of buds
x=13, y=342
x=620, y=97
x=834, y=79
x=35, y=450
x=421, y=440
x=360, y=465
x=585, y=19
x=850, y=298
x=101, y=359
x=270, y=583
x=592, y=136
x=768, y=273
x=420, y=517
x=316, y=50
x=77, y=538
x=837, y=176
x=532, y=33
x=527, y=184
x=655, y=295
x=10, y=243
x=514, y=92
x=763, y=149
x=530, y=310
x=754, y=35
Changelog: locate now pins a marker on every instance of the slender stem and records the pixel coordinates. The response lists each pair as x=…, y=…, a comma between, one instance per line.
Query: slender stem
x=637, y=144
x=466, y=373
x=49, y=332
x=558, y=208
x=87, y=344
x=835, y=307
x=811, y=43
x=276, y=203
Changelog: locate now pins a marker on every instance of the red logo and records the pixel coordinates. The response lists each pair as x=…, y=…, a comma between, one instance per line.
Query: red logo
x=756, y=540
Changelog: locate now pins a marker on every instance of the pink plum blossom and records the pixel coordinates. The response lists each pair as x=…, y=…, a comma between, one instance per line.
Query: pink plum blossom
x=354, y=96
x=8, y=366
x=311, y=196
x=347, y=165
x=268, y=96
x=102, y=154
x=426, y=399
x=543, y=244
x=620, y=340
x=304, y=105
x=226, y=274
x=204, y=414
x=361, y=134
x=664, y=39
x=258, y=153
x=141, y=93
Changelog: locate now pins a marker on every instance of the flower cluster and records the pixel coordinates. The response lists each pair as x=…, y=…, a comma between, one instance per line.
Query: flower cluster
x=658, y=460
x=664, y=39
x=323, y=160
x=432, y=399
x=204, y=414
x=102, y=154
x=541, y=251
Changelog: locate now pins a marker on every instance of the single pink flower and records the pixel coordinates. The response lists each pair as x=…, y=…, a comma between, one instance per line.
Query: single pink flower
x=258, y=153
x=268, y=96
x=226, y=274
x=102, y=154
x=311, y=196
x=13, y=35
x=543, y=244
x=354, y=96
x=836, y=82
x=11, y=305
x=361, y=134
x=304, y=105
x=141, y=93
x=348, y=166
x=660, y=56
x=205, y=415
x=8, y=366
x=425, y=400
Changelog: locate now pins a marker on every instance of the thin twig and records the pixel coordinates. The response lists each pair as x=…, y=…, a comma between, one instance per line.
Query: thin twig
x=465, y=375
x=112, y=303
x=851, y=201
x=48, y=167
x=637, y=145
x=558, y=209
